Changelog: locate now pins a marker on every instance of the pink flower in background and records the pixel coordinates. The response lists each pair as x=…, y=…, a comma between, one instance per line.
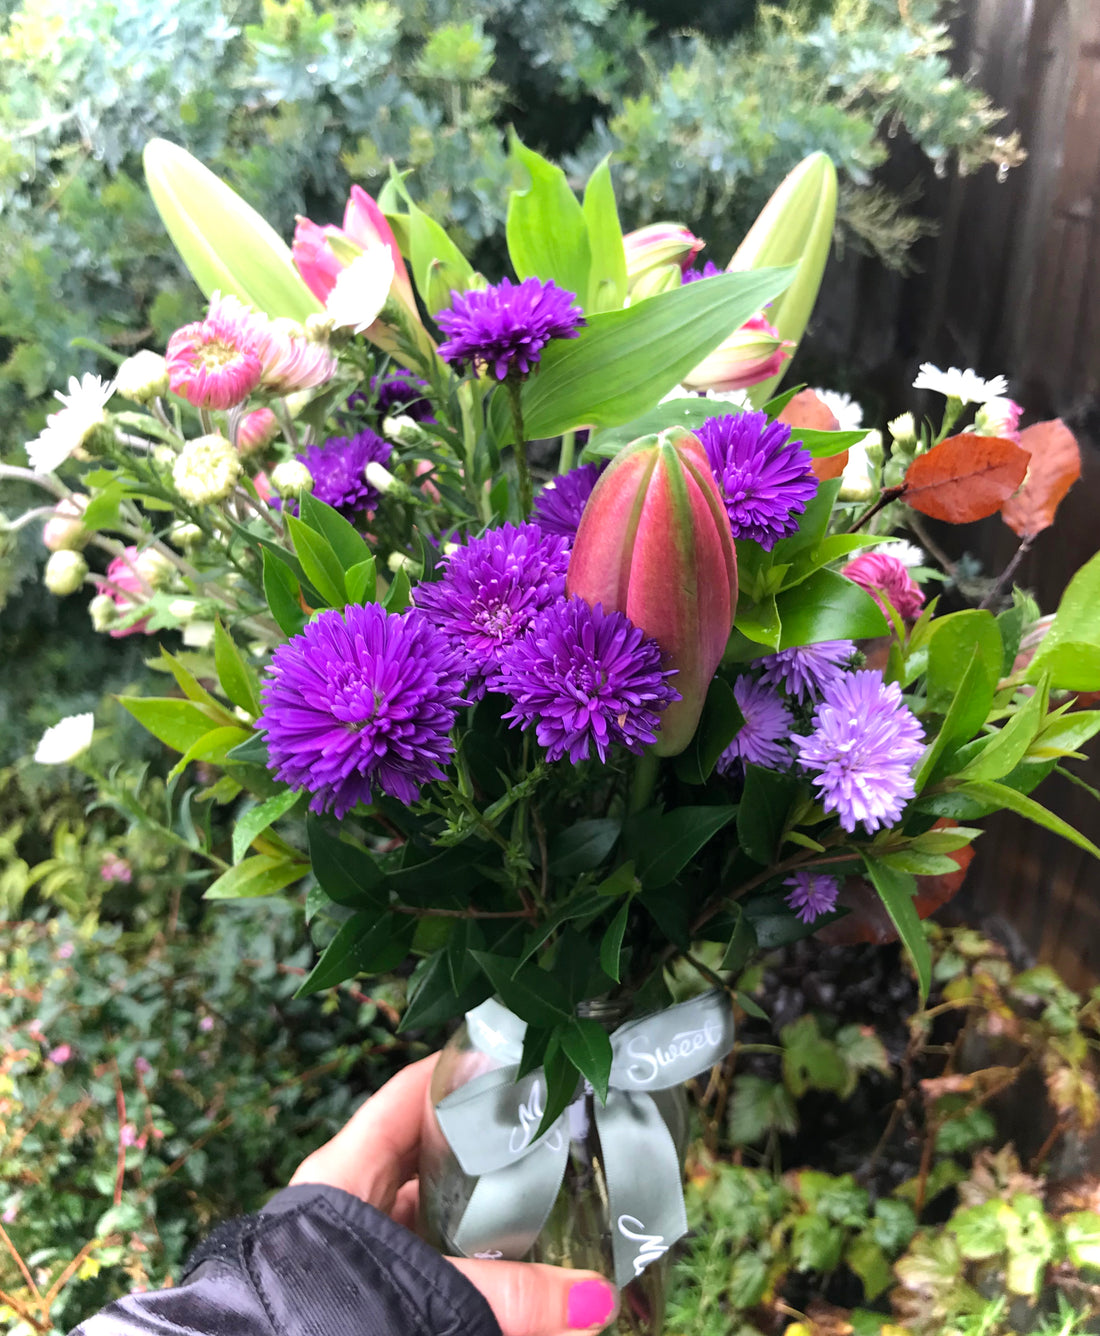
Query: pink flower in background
x=142, y=1066
x=206, y=1024
x=291, y=361
x=128, y=588
x=753, y=353
x=321, y=254
x=999, y=417
x=116, y=869
x=215, y=363
x=10, y=1211
x=65, y=950
x=60, y=1055
x=256, y=430
x=129, y=1135
x=884, y=577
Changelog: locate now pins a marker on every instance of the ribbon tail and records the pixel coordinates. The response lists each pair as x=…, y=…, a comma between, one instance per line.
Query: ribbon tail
x=644, y=1189
x=509, y=1207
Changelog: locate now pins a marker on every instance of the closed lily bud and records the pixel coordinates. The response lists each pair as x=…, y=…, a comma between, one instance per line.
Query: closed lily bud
x=656, y=246
x=753, y=353
x=653, y=282
x=654, y=543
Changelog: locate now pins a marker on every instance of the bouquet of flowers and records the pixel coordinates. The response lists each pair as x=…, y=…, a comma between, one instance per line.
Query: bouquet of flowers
x=533, y=632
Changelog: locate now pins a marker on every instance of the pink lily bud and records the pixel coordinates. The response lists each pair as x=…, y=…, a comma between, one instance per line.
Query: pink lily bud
x=659, y=244
x=314, y=258
x=654, y=542
x=753, y=353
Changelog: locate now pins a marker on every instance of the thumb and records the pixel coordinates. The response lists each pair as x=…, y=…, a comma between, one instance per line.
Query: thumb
x=529, y=1299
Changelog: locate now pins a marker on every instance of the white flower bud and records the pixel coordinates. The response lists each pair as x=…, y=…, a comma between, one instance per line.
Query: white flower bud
x=65, y=740
x=382, y=480
x=291, y=478
x=183, y=609
x=206, y=470
x=143, y=377
x=154, y=568
x=186, y=535
x=103, y=611
x=164, y=456
x=65, y=572
x=398, y=561
x=903, y=429
x=404, y=430
x=65, y=528
x=198, y=635
x=856, y=483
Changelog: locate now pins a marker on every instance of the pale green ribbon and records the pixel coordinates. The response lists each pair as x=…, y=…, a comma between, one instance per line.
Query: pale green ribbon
x=490, y=1124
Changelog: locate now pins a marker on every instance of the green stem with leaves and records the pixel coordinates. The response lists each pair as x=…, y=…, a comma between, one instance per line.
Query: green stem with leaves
x=523, y=472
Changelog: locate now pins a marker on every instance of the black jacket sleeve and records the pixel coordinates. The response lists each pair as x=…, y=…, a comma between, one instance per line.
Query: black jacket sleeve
x=314, y=1262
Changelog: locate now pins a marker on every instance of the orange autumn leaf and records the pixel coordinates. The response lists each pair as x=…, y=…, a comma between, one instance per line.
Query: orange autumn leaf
x=1055, y=465
x=965, y=478
x=808, y=411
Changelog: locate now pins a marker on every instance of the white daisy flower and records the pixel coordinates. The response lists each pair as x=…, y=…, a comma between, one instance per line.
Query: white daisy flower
x=83, y=409
x=843, y=407
x=361, y=290
x=65, y=740
x=909, y=554
x=966, y=386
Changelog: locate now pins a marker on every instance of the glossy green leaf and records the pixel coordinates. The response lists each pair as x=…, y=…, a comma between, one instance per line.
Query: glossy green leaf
x=428, y=245
x=361, y=581
x=607, y=279
x=320, y=563
x=1069, y=733
x=964, y=662
x=399, y=595
x=588, y=1047
x=237, y=677
x=1070, y=650
x=282, y=593
x=349, y=874
x=719, y=722
x=177, y=723
x=432, y=997
x=561, y=1083
x=214, y=746
x=759, y=622
x=623, y=362
x=345, y=540
x=896, y=891
x=762, y=812
x=826, y=606
x=611, y=944
x=662, y=844
x=257, y=819
x=187, y=682
x=262, y=875
x=222, y=240
x=533, y=994
x=583, y=846
x=365, y=944
x=546, y=229
x=1000, y=795
x=1006, y=749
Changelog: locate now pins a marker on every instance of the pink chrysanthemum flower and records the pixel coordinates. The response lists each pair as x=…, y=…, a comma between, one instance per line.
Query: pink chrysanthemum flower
x=256, y=430
x=884, y=577
x=291, y=361
x=215, y=363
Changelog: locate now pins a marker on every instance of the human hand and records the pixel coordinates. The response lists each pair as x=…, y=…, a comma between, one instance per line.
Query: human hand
x=374, y=1157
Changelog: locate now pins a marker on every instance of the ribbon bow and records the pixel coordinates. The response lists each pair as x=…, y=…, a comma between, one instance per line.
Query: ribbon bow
x=491, y=1123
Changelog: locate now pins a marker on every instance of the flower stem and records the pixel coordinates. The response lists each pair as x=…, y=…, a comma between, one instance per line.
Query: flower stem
x=523, y=473
x=1006, y=575
x=643, y=782
x=568, y=451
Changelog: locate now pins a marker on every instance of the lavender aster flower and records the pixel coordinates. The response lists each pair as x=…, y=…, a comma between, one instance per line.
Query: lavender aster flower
x=765, y=477
x=337, y=470
x=362, y=701
x=806, y=671
x=709, y=270
x=864, y=746
x=762, y=737
x=493, y=588
x=585, y=679
x=811, y=895
x=506, y=327
x=560, y=504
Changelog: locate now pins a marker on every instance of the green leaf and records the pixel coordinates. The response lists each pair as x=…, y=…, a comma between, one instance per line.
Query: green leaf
x=583, y=846
x=344, y=539
x=546, y=229
x=870, y=1264
x=607, y=278
x=179, y=724
x=399, y=595
x=920, y=864
x=237, y=677
x=429, y=245
x=320, y=563
x=282, y=593
x=257, y=819
x=1082, y=1234
x=1065, y=734
x=588, y=1047
x=759, y=622
x=585, y=904
x=349, y=874
x=1006, y=749
x=813, y=523
x=1000, y=795
x=533, y=994
x=561, y=1083
x=964, y=667
x=762, y=812
x=187, y=682
x=1070, y=650
x=213, y=746
x=252, y=752
x=662, y=844
x=816, y=1244
x=432, y=997
x=361, y=581
x=365, y=944
x=718, y=725
x=623, y=362
x=827, y=607
x=102, y=509
x=263, y=874
x=758, y=1107
x=741, y=944
x=896, y=891
x=810, y=1061
x=224, y=242
x=611, y=945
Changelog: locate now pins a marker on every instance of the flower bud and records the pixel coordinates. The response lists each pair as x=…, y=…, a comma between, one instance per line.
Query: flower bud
x=654, y=543
x=65, y=572
x=662, y=278
x=382, y=480
x=658, y=245
x=904, y=430
x=206, y=470
x=143, y=377
x=404, y=430
x=856, y=481
x=753, y=353
x=164, y=456
x=103, y=612
x=65, y=527
x=186, y=536
x=999, y=417
x=291, y=478
x=154, y=568
x=183, y=609
x=257, y=430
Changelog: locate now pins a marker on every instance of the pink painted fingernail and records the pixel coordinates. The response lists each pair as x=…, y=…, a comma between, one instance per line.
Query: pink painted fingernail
x=592, y=1303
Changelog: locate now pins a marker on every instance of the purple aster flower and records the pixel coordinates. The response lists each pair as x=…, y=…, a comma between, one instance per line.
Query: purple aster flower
x=585, y=678
x=560, y=504
x=337, y=470
x=806, y=671
x=762, y=737
x=492, y=589
x=864, y=746
x=811, y=894
x=400, y=391
x=765, y=477
x=709, y=270
x=362, y=701
x=506, y=327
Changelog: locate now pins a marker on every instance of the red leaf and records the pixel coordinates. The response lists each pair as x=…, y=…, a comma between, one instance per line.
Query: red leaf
x=965, y=478
x=1055, y=466
x=807, y=410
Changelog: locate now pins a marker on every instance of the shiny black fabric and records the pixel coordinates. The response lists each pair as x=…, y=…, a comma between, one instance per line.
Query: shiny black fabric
x=314, y=1262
